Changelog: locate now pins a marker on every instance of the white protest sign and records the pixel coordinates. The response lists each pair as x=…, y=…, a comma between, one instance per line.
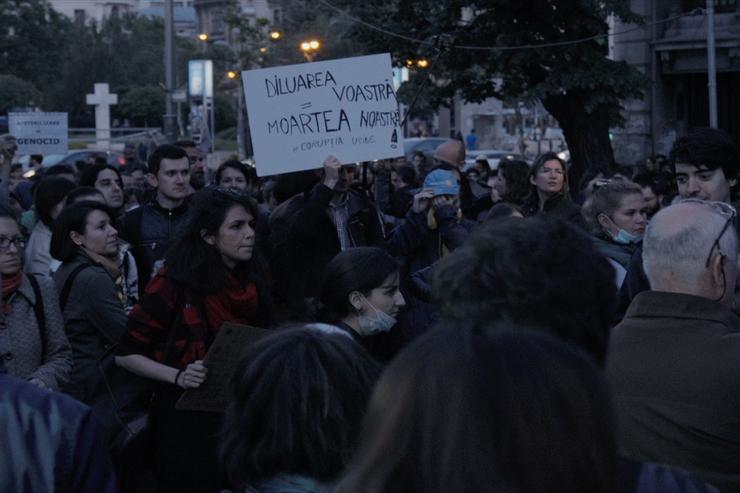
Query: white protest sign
x=40, y=133
x=300, y=114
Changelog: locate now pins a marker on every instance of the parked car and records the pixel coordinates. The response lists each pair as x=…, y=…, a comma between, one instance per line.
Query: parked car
x=493, y=156
x=72, y=156
x=427, y=145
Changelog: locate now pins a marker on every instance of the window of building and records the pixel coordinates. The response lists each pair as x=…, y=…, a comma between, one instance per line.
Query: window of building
x=719, y=5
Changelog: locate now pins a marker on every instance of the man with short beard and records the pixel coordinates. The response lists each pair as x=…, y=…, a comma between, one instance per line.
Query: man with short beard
x=197, y=163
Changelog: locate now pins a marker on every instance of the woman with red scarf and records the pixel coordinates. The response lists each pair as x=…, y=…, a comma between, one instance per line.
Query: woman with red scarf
x=32, y=341
x=212, y=275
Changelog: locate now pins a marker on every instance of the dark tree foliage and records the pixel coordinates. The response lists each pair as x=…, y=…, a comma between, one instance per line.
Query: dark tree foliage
x=577, y=83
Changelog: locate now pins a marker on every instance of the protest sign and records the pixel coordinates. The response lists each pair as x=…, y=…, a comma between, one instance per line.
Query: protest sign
x=300, y=114
x=222, y=360
x=40, y=133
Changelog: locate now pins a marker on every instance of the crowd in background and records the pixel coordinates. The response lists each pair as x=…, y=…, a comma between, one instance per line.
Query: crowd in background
x=435, y=327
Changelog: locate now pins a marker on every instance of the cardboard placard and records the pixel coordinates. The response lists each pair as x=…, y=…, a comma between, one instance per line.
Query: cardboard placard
x=40, y=133
x=222, y=359
x=300, y=114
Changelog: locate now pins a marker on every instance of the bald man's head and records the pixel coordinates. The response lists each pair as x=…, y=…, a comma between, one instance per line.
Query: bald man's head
x=451, y=152
x=678, y=242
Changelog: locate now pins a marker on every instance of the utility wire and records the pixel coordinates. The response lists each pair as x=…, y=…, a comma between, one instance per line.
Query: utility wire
x=422, y=86
x=373, y=27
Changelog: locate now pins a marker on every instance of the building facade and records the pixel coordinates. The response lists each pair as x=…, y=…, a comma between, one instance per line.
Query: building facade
x=210, y=15
x=672, y=52
x=89, y=10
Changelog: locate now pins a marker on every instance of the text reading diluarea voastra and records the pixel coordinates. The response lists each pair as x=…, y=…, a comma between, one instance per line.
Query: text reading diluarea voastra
x=281, y=86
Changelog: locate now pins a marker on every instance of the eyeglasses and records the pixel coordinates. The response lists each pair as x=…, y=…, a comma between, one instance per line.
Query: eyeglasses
x=724, y=210
x=5, y=242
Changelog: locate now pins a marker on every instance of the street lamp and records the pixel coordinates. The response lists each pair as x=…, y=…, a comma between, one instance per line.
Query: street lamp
x=309, y=48
x=203, y=37
x=275, y=35
x=232, y=74
x=420, y=63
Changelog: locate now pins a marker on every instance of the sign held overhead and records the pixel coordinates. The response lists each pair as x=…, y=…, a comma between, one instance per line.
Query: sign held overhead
x=40, y=133
x=300, y=114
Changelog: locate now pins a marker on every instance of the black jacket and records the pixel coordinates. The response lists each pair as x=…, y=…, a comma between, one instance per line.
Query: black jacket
x=419, y=246
x=304, y=240
x=150, y=230
x=557, y=206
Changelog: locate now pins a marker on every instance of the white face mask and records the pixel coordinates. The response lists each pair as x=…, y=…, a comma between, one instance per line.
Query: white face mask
x=381, y=322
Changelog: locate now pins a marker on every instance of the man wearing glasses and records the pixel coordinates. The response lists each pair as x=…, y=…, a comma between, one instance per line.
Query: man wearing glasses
x=674, y=360
x=706, y=163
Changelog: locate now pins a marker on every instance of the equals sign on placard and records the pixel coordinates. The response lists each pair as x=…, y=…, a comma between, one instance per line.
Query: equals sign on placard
x=305, y=106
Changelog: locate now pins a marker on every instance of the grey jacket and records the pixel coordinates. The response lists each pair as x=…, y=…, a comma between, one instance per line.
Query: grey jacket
x=94, y=319
x=20, y=340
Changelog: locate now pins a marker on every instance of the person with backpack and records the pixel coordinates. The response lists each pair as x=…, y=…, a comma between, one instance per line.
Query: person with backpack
x=32, y=341
x=90, y=290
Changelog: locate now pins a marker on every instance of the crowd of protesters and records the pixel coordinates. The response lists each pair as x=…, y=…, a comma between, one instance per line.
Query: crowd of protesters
x=431, y=328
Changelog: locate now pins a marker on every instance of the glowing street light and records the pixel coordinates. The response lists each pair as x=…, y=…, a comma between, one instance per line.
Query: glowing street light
x=203, y=37
x=263, y=50
x=275, y=35
x=309, y=48
x=422, y=63
x=232, y=74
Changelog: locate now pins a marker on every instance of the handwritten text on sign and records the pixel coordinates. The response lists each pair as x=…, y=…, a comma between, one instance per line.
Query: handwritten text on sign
x=39, y=133
x=300, y=114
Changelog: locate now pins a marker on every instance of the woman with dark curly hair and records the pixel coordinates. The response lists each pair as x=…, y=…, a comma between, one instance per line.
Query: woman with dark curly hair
x=212, y=275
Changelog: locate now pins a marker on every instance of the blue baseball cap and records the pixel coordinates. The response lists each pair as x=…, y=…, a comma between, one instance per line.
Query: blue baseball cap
x=442, y=182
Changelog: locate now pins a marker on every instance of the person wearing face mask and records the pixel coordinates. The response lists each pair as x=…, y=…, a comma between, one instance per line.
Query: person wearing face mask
x=360, y=294
x=616, y=213
x=672, y=362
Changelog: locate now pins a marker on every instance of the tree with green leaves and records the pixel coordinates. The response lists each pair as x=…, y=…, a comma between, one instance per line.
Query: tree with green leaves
x=32, y=44
x=142, y=105
x=552, y=50
x=15, y=92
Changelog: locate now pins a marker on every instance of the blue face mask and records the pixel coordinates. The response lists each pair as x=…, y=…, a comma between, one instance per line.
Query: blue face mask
x=625, y=238
x=381, y=322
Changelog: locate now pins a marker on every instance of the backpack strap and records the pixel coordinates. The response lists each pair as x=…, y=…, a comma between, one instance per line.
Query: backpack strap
x=67, y=287
x=38, y=310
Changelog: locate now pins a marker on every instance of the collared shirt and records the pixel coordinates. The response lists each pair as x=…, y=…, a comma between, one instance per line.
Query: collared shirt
x=339, y=215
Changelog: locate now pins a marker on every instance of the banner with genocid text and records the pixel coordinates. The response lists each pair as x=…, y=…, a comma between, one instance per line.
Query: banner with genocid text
x=300, y=114
x=40, y=133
